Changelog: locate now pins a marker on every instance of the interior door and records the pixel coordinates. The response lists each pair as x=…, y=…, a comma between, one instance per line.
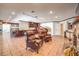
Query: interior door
x=56, y=28
x=61, y=29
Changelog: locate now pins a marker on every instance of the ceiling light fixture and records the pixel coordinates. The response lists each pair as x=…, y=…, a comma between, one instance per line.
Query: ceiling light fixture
x=56, y=16
x=13, y=13
x=51, y=12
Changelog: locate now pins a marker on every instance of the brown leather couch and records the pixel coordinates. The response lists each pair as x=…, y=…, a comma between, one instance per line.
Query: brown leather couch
x=35, y=38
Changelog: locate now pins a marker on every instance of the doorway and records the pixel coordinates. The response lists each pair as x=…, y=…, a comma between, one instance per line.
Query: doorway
x=61, y=29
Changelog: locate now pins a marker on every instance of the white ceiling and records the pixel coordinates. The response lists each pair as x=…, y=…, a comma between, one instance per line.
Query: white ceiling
x=61, y=11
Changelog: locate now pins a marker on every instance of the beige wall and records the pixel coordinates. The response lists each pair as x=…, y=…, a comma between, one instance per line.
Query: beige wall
x=49, y=26
x=53, y=27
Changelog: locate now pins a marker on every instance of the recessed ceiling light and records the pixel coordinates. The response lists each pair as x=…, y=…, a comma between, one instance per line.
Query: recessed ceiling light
x=13, y=13
x=51, y=12
x=56, y=16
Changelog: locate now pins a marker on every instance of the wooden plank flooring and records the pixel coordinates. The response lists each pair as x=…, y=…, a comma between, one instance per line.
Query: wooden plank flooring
x=10, y=46
x=1, y=45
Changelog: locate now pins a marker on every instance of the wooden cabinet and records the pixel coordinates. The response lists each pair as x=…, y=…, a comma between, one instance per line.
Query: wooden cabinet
x=33, y=24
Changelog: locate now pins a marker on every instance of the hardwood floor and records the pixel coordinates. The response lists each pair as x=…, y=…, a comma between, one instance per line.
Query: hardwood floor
x=1, y=45
x=10, y=46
